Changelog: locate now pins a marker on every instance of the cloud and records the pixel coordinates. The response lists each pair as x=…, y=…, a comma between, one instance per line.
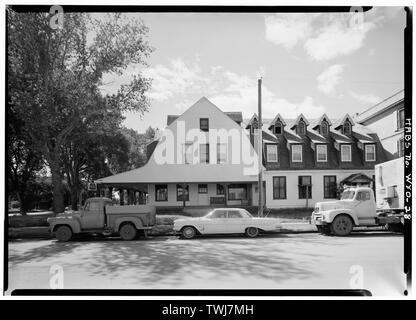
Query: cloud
x=174, y=79
x=330, y=78
x=337, y=39
x=241, y=95
x=287, y=29
x=367, y=98
x=323, y=36
x=180, y=83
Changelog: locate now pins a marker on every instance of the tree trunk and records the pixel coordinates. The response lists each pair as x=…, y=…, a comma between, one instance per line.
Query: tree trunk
x=21, y=199
x=74, y=198
x=57, y=187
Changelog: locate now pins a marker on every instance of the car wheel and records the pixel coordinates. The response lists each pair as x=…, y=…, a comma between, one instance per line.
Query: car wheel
x=252, y=232
x=63, y=233
x=341, y=225
x=188, y=232
x=128, y=232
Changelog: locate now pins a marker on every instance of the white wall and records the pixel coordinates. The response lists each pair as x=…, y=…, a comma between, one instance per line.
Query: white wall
x=292, y=199
x=385, y=125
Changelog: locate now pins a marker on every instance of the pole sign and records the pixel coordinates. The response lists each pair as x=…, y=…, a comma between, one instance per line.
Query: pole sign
x=92, y=186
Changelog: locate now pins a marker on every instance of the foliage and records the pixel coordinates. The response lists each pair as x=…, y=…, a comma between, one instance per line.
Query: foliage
x=55, y=77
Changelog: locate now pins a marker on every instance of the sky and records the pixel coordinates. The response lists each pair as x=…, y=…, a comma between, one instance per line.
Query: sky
x=310, y=63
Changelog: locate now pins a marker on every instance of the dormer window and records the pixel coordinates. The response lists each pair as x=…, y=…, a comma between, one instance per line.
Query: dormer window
x=301, y=128
x=324, y=128
x=278, y=128
x=346, y=128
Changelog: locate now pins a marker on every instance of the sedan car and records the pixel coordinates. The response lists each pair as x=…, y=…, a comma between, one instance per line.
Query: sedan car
x=225, y=221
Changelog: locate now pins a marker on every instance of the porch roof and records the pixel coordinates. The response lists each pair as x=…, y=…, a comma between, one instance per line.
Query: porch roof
x=186, y=173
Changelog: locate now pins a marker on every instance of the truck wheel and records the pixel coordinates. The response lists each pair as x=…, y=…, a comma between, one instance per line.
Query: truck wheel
x=341, y=225
x=128, y=232
x=252, y=232
x=63, y=233
x=188, y=232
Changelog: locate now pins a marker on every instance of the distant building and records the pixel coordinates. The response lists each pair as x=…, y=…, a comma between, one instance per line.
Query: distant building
x=386, y=118
x=304, y=160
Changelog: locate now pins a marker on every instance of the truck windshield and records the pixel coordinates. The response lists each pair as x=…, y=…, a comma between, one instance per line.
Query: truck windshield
x=347, y=195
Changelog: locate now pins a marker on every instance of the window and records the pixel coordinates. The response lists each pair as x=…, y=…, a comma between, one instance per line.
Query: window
x=301, y=128
x=330, y=187
x=346, y=128
x=220, y=189
x=161, y=191
x=204, y=153
x=271, y=152
x=400, y=147
x=305, y=187
x=237, y=192
x=188, y=153
x=94, y=206
x=296, y=153
x=221, y=153
x=278, y=128
x=363, y=196
x=218, y=214
x=204, y=124
x=370, y=152
x=321, y=153
x=324, y=128
x=234, y=214
x=400, y=119
x=180, y=194
x=279, y=187
x=345, y=153
x=202, y=188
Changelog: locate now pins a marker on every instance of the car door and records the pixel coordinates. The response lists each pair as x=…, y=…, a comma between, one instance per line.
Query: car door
x=92, y=217
x=235, y=222
x=364, y=206
x=216, y=222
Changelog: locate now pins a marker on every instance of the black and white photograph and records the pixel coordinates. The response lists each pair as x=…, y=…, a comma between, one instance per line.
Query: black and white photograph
x=157, y=149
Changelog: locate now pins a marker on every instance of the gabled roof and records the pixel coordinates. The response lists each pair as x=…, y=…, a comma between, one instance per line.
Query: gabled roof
x=339, y=123
x=254, y=117
x=322, y=118
x=301, y=116
x=278, y=117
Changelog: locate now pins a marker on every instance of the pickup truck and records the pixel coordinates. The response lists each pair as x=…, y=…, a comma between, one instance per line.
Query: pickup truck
x=99, y=215
x=358, y=208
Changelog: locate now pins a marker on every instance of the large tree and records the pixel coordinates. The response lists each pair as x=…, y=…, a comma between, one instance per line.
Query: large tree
x=55, y=78
x=23, y=161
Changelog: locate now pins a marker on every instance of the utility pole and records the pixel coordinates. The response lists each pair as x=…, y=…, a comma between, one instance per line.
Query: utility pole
x=260, y=153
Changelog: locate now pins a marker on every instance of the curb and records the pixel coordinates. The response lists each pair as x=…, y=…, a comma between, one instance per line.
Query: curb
x=159, y=230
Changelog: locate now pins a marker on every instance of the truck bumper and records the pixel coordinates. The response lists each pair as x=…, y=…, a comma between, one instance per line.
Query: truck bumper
x=316, y=219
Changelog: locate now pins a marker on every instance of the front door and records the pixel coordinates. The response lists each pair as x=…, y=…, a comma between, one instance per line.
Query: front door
x=92, y=217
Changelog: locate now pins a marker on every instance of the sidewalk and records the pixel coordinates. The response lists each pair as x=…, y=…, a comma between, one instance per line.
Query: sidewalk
x=158, y=230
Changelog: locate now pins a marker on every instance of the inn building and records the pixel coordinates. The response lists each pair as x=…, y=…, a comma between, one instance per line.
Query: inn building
x=304, y=160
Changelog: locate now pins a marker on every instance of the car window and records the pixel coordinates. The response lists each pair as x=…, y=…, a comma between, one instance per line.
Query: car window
x=218, y=214
x=234, y=214
x=94, y=205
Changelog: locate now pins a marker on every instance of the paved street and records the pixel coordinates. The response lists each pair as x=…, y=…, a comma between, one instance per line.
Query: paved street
x=306, y=260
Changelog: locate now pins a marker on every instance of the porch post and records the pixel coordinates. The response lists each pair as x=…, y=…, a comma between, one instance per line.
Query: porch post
x=121, y=192
x=225, y=194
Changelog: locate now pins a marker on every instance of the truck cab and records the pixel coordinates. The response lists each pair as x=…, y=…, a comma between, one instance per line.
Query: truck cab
x=92, y=215
x=356, y=207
